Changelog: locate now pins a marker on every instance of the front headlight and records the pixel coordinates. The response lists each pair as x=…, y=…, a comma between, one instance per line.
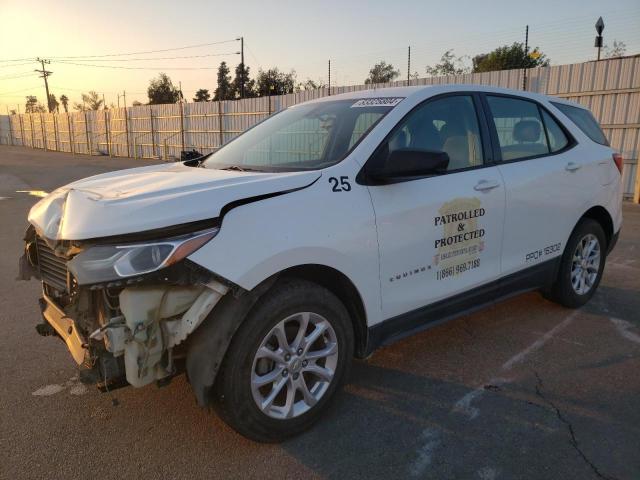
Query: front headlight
x=104, y=263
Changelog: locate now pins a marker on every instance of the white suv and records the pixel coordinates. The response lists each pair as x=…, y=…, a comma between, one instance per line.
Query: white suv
x=327, y=230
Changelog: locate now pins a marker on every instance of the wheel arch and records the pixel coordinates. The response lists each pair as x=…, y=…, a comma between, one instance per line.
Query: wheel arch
x=208, y=344
x=603, y=217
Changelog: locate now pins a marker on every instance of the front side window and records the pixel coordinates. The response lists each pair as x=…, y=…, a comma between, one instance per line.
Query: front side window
x=304, y=137
x=584, y=120
x=448, y=125
x=519, y=127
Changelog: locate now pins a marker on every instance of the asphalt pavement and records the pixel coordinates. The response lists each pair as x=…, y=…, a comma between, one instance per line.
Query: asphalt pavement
x=525, y=389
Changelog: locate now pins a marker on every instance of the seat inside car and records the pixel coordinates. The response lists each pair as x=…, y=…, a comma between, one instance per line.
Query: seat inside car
x=527, y=134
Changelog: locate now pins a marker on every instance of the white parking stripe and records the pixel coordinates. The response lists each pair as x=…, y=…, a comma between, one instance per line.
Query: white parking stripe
x=624, y=328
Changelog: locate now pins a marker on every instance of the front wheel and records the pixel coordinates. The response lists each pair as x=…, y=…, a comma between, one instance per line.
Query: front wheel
x=582, y=265
x=285, y=362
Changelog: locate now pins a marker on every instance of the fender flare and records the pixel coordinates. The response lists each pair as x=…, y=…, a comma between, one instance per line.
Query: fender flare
x=208, y=344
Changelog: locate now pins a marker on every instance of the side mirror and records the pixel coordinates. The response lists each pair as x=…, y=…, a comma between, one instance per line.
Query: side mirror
x=406, y=162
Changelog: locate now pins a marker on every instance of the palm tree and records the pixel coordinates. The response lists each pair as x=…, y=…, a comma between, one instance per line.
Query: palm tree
x=64, y=100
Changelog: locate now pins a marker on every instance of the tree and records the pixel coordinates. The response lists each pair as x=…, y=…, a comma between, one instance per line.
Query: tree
x=449, y=65
x=161, y=90
x=382, y=72
x=202, y=95
x=53, y=103
x=64, y=100
x=309, y=84
x=509, y=57
x=32, y=105
x=275, y=82
x=242, y=72
x=225, y=89
x=136, y=103
x=618, y=50
x=93, y=100
x=13, y=112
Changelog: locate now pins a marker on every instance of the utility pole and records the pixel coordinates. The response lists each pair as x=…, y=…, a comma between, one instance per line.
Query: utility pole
x=124, y=97
x=329, y=77
x=242, y=73
x=44, y=74
x=526, y=57
x=409, y=66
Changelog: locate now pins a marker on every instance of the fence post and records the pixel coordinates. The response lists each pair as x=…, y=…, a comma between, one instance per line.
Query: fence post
x=126, y=127
x=33, y=138
x=135, y=148
x=21, y=123
x=181, y=128
x=71, y=135
x=44, y=137
x=86, y=133
x=166, y=152
x=153, y=137
x=10, y=129
x=220, y=125
x=106, y=130
x=56, y=134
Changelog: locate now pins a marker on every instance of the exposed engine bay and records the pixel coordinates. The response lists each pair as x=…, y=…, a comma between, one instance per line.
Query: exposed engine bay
x=130, y=331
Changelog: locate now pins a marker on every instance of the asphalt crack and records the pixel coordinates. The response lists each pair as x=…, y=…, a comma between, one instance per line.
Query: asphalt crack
x=572, y=435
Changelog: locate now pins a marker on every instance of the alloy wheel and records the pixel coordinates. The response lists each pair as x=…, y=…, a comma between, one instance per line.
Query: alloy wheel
x=585, y=264
x=294, y=365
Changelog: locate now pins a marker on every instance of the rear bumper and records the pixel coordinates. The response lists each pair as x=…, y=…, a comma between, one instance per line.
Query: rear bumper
x=65, y=328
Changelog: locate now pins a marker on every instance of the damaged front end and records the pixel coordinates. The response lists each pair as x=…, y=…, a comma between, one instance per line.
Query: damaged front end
x=124, y=305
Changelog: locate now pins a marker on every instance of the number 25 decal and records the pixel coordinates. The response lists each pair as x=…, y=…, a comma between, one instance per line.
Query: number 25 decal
x=342, y=186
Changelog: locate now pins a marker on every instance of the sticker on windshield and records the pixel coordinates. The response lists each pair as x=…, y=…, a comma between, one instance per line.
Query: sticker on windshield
x=378, y=102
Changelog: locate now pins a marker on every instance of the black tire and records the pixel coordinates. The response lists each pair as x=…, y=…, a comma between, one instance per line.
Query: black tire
x=562, y=291
x=234, y=400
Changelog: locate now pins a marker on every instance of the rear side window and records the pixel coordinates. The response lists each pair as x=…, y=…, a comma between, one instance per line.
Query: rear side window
x=585, y=122
x=556, y=136
x=519, y=127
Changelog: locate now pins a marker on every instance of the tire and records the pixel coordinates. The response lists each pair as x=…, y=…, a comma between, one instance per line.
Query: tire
x=283, y=309
x=564, y=291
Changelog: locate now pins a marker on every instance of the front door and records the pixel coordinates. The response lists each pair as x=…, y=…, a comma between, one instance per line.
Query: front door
x=441, y=235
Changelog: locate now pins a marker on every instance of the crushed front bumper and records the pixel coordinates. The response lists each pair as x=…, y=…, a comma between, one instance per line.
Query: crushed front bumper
x=65, y=328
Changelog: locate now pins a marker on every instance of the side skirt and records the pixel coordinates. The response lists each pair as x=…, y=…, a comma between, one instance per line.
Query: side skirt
x=401, y=326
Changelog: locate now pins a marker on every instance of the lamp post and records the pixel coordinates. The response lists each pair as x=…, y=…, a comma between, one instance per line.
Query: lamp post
x=599, y=29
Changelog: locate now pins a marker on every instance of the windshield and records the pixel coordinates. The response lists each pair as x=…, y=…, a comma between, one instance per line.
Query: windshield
x=303, y=137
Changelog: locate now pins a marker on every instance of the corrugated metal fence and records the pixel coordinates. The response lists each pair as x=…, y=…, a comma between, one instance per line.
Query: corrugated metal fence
x=610, y=88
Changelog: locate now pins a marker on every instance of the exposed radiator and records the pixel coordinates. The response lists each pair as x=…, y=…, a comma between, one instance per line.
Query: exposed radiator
x=53, y=269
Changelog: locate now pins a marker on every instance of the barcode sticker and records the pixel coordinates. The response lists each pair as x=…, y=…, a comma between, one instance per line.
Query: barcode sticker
x=378, y=102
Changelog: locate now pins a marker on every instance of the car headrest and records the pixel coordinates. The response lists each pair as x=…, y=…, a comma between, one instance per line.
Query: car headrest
x=526, y=131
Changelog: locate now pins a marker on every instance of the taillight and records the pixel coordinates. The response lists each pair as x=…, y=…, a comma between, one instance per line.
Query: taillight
x=617, y=159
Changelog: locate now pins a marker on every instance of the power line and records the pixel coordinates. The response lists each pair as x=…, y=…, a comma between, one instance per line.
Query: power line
x=157, y=58
x=144, y=52
x=61, y=62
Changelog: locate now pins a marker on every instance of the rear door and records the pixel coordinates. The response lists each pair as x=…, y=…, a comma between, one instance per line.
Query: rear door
x=547, y=181
x=440, y=235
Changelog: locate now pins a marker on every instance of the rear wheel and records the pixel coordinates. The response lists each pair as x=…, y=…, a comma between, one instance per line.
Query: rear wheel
x=286, y=362
x=582, y=265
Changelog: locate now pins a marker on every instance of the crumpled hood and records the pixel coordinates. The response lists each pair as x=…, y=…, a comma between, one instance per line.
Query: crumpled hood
x=147, y=198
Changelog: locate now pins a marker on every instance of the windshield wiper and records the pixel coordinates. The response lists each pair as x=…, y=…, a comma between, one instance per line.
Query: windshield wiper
x=238, y=168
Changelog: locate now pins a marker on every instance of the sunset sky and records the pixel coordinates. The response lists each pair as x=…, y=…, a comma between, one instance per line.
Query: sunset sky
x=298, y=35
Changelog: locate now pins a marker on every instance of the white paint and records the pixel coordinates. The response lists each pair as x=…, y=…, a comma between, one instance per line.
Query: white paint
x=488, y=473
x=430, y=440
x=519, y=357
x=5, y=198
x=48, y=390
x=624, y=328
x=34, y=193
x=73, y=385
x=78, y=389
x=464, y=405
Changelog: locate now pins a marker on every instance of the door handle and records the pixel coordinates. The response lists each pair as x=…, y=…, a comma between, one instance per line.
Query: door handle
x=484, y=185
x=572, y=166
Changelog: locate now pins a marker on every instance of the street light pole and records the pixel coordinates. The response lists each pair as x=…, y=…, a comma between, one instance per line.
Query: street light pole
x=599, y=29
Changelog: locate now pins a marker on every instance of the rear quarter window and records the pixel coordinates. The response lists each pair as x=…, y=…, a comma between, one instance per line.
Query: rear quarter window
x=585, y=121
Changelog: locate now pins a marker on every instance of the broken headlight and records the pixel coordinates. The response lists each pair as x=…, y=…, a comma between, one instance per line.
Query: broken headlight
x=104, y=263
